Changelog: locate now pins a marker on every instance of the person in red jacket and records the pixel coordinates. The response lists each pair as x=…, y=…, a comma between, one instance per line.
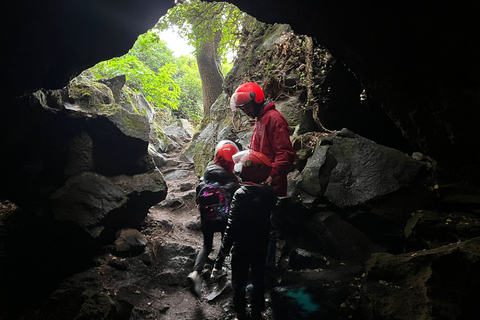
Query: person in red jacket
x=271, y=136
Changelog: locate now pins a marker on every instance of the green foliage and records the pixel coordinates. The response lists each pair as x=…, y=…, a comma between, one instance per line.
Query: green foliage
x=190, y=101
x=226, y=66
x=199, y=21
x=152, y=51
x=147, y=71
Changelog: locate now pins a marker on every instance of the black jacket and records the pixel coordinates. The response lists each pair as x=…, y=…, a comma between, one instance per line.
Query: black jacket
x=248, y=225
x=225, y=178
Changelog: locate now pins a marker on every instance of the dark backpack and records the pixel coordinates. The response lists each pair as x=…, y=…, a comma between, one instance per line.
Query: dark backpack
x=212, y=203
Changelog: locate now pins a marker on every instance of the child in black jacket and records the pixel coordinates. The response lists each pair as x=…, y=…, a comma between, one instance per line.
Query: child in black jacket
x=248, y=230
x=221, y=173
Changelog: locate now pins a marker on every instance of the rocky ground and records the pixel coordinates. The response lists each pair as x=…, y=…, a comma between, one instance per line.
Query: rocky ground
x=151, y=285
x=175, y=223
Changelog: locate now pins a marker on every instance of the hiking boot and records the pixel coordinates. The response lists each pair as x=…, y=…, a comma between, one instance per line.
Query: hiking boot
x=195, y=284
x=218, y=273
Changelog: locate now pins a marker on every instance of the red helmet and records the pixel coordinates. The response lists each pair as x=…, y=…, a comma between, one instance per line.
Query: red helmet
x=255, y=166
x=224, y=151
x=245, y=93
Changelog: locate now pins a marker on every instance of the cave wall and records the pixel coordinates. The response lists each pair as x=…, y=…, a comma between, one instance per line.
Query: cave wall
x=418, y=59
x=47, y=43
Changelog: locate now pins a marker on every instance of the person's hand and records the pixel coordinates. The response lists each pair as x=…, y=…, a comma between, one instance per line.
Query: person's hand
x=268, y=181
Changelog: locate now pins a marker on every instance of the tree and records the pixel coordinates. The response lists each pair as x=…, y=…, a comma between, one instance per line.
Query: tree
x=212, y=29
x=190, y=101
x=152, y=51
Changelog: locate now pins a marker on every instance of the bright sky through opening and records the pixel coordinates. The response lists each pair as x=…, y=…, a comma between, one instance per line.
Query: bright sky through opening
x=176, y=43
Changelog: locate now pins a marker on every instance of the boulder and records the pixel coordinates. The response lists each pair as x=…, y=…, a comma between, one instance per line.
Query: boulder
x=348, y=170
x=175, y=261
x=130, y=242
x=429, y=229
x=157, y=157
x=333, y=236
x=99, y=204
x=439, y=283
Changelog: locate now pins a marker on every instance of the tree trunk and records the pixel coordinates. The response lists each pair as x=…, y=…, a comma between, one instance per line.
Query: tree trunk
x=209, y=65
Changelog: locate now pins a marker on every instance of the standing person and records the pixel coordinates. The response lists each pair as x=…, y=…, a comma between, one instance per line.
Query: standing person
x=218, y=184
x=248, y=231
x=271, y=136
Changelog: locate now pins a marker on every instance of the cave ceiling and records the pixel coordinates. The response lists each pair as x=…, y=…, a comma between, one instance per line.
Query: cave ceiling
x=418, y=58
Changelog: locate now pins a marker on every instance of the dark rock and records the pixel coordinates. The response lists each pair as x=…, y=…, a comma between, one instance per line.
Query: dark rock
x=83, y=296
x=186, y=186
x=159, y=159
x=79, y=155
x=329, y=293
x=175, y=262
x=331, y=235
x=195, y=224
x=428, y=229
x=349, y=171
x=119, y=264
x=129, y=242
x=85, y=174
x=441, y=282
x=366, y=171
x=115, y=84
x=459, y=196
x=92, y=201
x=302, y=259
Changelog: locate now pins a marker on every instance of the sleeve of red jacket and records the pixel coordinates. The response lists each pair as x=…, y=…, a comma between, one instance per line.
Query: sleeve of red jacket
x=282, y=146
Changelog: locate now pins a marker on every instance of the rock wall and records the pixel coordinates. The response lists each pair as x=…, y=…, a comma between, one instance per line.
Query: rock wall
x=76, y=170
x=351, y=202
x=417, y=59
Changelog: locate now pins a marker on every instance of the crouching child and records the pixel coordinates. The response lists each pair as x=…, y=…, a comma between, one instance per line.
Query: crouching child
x=247, y=231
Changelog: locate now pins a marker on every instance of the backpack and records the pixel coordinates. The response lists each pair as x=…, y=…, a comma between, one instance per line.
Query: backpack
x=212, y=203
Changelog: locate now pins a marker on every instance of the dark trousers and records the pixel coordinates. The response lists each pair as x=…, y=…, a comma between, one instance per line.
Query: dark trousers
x=242, y=263
x=208, y=230
x=272, y=247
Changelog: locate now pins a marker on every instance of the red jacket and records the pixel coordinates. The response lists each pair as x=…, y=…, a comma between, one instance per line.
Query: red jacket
x=271, y=136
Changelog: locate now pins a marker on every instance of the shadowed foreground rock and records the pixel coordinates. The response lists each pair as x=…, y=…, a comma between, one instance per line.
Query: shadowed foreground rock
x=440, y=283
x=84, y=173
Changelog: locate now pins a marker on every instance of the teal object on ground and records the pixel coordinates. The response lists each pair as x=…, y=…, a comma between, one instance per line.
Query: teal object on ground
x=304, y=300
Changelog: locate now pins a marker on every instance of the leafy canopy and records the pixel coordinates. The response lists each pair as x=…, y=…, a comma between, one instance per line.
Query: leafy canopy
x=190, y=101
x=149, y=69
x=198, y=22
